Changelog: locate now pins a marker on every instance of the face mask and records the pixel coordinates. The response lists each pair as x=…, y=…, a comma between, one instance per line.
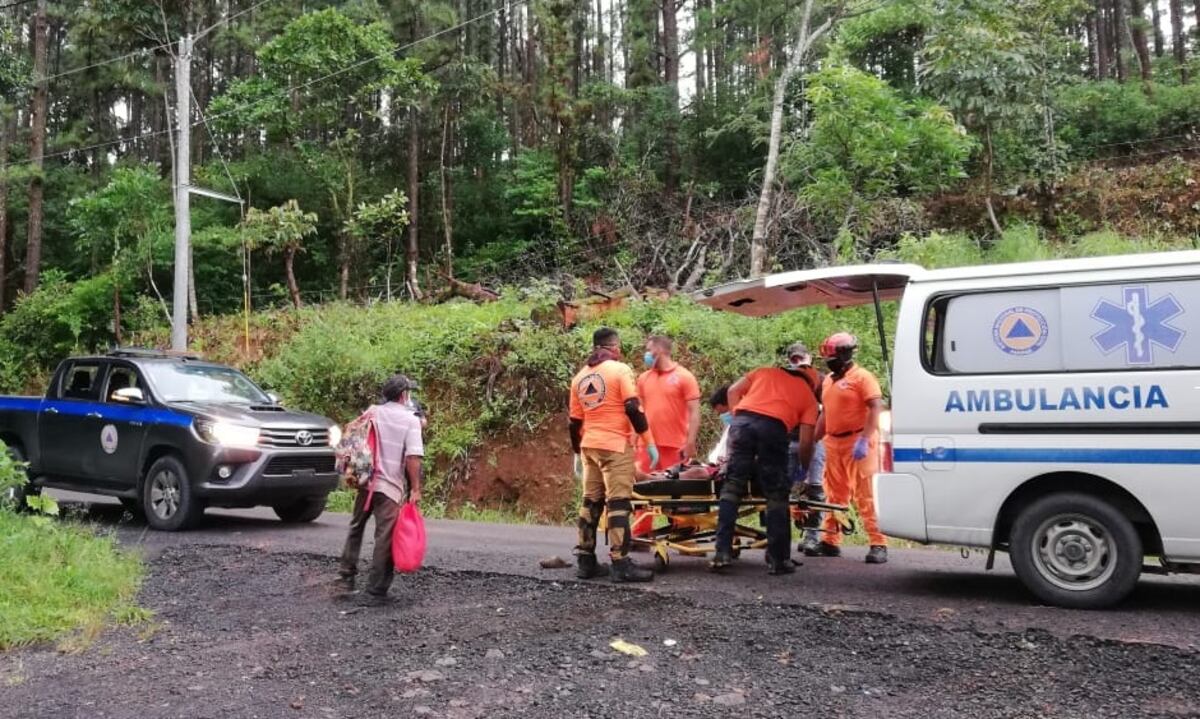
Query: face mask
x=648, y=358
x=794, y=365
x=727, y=418
x=836, y=365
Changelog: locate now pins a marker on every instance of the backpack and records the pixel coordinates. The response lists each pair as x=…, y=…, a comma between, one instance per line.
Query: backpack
x=354, y=457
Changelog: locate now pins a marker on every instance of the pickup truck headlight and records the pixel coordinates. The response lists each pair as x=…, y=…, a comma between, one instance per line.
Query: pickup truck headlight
x=227, y=434
x=335, y=436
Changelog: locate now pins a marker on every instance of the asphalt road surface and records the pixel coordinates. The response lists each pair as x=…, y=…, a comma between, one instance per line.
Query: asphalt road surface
x=936, y=585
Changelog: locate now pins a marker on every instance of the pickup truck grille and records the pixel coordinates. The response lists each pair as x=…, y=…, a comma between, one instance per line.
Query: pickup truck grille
x=293, y=437
x=287, y=466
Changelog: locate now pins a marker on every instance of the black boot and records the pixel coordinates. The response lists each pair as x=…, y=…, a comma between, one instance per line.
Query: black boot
x=877, y=554
x=780, y=566
x=624, y=570
x=587, y=567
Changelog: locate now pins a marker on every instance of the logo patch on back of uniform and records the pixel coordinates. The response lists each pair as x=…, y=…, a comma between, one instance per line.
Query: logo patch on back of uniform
x=592, y=391
x=1020, y=331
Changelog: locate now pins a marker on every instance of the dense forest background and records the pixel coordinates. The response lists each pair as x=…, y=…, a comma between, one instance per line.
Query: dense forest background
x=383, y=147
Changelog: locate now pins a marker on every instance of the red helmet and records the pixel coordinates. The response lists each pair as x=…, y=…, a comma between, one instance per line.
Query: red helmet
x=839, y=343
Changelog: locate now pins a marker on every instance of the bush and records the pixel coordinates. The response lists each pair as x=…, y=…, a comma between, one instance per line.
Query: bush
x=1100, y=117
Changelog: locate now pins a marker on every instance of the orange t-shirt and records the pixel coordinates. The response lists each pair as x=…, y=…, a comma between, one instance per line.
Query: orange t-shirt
x=777, y=393
x=665, y=397
x=598, y=397
x=846, y=402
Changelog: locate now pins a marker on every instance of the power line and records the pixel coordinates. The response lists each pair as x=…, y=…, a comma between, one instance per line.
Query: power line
x=146, y=50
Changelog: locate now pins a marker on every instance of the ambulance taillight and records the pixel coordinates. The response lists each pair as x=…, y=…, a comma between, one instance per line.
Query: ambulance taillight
x=885, y=441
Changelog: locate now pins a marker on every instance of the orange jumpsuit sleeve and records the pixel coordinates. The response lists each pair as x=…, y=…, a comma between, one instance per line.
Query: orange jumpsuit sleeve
x=575, y=406
x=869, y=388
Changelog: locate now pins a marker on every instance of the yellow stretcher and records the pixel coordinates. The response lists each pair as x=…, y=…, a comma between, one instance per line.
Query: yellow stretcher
x=689, y=500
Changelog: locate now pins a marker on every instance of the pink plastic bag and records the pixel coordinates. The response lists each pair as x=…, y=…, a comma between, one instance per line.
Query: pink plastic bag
x=408, y=539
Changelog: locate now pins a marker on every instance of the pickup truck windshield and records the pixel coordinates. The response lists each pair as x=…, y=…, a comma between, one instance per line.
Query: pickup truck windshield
x=176, y=382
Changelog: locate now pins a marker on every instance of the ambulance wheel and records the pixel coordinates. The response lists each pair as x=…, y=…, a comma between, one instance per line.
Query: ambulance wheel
x=1076, y=550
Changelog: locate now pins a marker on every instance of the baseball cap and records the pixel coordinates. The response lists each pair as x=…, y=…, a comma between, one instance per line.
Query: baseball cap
x=397, y=385
x=799, y=349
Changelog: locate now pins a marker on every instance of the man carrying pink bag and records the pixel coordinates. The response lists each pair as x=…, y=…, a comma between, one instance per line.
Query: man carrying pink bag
x=391, y=434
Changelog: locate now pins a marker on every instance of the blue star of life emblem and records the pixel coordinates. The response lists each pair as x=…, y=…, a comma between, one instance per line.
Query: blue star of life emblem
x=1138, y=325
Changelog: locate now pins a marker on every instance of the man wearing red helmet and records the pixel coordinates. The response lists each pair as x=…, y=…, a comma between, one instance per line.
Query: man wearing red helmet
x=852, y=403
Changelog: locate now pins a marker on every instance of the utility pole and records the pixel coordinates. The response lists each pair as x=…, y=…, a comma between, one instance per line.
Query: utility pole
x=183, y=180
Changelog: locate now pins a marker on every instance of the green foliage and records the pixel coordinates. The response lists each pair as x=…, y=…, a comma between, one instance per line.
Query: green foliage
x=1102, y=119
x=867, y=142
x=279, y=230
x=60, y=318
x=59, y=578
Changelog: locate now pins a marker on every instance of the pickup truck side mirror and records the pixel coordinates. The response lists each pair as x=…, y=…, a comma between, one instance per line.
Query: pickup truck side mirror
x=273, y=397
x=129, y=395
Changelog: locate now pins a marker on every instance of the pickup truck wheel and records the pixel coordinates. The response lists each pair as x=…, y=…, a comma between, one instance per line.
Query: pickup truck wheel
x=167, y=497
x=15, y=496
x=1076, y=550
x=301, y=510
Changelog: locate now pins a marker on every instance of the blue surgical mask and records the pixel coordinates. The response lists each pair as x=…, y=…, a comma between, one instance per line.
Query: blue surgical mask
x=649, y=359
x=727, y=418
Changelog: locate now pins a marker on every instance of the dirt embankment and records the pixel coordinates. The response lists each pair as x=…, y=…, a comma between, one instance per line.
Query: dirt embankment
x=527, y=471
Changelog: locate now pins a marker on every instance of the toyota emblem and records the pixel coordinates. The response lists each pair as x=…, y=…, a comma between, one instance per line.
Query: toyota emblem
x=304, y=438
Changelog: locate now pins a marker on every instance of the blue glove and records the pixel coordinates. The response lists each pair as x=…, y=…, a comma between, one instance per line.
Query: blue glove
x=799, y=474
x=578, y=467
x=861, y=447
x=652, y=452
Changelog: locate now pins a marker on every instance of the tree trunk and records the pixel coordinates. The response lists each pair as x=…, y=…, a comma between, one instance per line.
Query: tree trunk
x=344, y=277
x=414, y=217
x=447, y=225
x=8, y=129
x=800, y=50
x=1178, y=43
x=670, y=25
x=988, y=169
x=1140, y=42
x=37, y=149
x=1160, y=42
x=1102, y=36
x=700, y=52
x=289, y=268
x=1089, y=31
x=1120, y=32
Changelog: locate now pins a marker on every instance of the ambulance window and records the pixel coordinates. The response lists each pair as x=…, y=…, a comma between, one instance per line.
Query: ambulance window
x=1000, y=332
x=931, y=332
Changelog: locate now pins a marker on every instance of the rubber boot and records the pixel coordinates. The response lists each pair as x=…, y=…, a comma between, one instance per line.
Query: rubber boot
x=624, y=570
x=587, y=567
x=877, y=554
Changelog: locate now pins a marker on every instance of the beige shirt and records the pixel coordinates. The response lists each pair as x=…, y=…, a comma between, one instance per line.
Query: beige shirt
x=398, y=432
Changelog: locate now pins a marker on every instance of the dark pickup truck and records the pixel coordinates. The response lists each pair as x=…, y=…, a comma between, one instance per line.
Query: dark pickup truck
x=170, y=435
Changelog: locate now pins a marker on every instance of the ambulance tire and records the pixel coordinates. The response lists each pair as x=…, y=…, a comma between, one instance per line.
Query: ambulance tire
x=1076, y=550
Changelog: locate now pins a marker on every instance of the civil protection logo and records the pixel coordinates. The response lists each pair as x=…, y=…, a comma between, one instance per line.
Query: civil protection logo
x=592, y=390
x=1138, y=324
x=1020, y=331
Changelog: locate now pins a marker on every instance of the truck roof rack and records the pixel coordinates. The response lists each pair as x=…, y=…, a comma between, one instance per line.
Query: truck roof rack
x=144, y=353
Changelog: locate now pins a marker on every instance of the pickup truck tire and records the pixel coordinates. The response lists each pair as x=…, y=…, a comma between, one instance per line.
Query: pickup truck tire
x=15, y=496
x=1076, y=550
x=169, y=502
x=301, y=510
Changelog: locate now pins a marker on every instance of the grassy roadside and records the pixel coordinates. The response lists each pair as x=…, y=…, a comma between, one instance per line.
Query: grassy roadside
x=61, y=581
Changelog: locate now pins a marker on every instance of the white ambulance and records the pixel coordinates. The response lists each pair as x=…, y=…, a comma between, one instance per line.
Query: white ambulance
x=1048, y=409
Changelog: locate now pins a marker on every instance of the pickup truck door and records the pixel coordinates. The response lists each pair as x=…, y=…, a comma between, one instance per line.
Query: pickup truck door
x=117, y=451
x=69, y=422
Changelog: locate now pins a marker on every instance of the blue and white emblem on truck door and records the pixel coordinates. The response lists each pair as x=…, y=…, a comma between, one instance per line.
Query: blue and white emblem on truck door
x=1138, y=324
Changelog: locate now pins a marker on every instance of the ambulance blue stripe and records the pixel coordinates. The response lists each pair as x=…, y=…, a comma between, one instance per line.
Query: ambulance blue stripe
x=1037, y=455
x=111, y=412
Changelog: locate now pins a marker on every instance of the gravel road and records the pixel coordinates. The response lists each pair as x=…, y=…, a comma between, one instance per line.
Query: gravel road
x=246, y=625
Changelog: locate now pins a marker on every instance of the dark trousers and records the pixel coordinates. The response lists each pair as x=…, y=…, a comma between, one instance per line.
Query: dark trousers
x=757, y=451
x=385, y=511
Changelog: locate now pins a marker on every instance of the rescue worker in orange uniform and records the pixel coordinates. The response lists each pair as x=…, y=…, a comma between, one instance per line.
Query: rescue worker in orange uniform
x=605, y=415
x=671, y=398
x=768, y=404
x=853, y=402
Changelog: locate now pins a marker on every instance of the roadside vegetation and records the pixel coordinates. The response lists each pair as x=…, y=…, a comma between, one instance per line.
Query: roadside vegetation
x=59, y=580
